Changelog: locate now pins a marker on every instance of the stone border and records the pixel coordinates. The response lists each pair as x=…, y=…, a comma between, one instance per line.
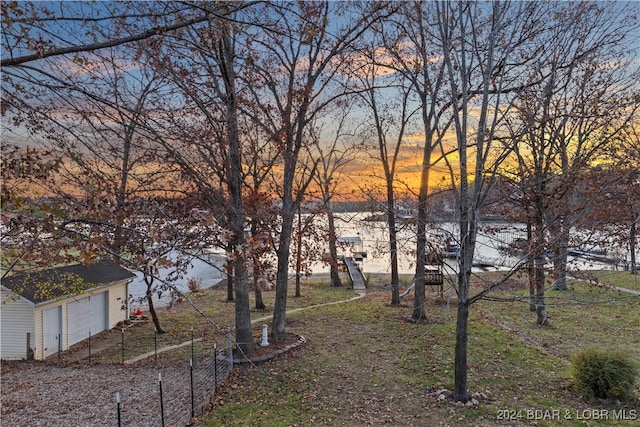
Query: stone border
x=259, y=359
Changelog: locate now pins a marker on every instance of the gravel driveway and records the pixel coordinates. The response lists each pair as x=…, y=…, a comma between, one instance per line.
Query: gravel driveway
x=43, y=394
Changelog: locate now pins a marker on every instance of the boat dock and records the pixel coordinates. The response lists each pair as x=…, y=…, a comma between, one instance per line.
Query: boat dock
x=356, y=275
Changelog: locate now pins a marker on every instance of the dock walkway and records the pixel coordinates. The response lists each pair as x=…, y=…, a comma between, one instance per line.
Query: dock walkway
x=356, y=275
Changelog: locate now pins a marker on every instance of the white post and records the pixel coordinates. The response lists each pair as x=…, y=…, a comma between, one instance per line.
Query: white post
x=265, y=339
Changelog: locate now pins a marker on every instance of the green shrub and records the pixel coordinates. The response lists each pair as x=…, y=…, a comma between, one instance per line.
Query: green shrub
x=604, y=374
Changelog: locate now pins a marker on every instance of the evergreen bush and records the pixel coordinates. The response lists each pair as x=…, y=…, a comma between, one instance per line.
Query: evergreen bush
x=604, y=374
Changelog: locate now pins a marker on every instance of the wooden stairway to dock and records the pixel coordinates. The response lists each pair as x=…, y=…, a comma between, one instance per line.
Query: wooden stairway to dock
x=356, y=275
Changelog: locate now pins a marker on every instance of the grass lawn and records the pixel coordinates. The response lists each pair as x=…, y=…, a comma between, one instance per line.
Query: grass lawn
x=583, y=316
x=623, y=279
x=365, y=364
x=182, y=322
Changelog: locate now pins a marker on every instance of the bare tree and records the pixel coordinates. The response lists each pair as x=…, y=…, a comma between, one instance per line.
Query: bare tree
x=630, y=142
x=260, y=155
x=35, y=30
x=126, y=20
x=204, y=136
x=333, y=157
x=308, y=236
x=615, y=207
x=108, y=158
x=388, y=100
x=565, y=122
x=484, y=52
x=589, y=105
x=416, y=53
x=299, y=56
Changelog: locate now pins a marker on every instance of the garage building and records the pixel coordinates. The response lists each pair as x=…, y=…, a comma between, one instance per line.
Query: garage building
x=51, y=310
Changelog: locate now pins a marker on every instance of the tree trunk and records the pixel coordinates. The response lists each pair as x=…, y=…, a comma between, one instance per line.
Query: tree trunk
x=419, y=287
x=152, y=310
x=282, y=276
x=393, y=246
x=121, y=193
x=259, y=305
x=560, y=258
x=531, y=271
x=298, y=293
x=541, y=310
x=560, y=268
x=333, y=250
x=532, y=289
x=538, y=267
x=259, y=302
x=299, y=252
x=280, y=306
x=632, y=248
x=421, y=246
x=229, y=270
x=244, y=338
x=461, y=389
x=467, y=235
x=230, y=296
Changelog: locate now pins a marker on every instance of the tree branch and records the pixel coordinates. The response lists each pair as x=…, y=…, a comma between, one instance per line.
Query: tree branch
x=13, y=62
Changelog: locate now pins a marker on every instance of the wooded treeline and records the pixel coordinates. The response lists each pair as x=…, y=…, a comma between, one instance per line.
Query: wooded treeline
x=137, y=130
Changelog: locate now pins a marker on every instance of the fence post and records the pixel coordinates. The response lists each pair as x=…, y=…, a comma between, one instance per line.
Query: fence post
x=161, y=401
x=155, y=345
x=28, y=353
x=118, y=404
x=192, y=343
x=215, y=367
x=59, y=347
x=89, y=346
x=122, y=345
x=193, y=414
x=229, y=347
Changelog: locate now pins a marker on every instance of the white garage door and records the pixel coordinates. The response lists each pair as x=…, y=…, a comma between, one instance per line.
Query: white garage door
x=87, y=316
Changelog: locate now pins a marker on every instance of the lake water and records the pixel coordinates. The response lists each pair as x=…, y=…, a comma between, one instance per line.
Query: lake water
x=374, y=238
x=204, y=273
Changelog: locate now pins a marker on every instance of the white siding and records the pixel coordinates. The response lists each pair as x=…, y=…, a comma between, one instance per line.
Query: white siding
x=38, y=322
x=19, y=317
x=16, y=320
x=118, y=304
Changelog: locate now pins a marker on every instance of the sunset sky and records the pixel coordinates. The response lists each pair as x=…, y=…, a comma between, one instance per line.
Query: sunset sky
x=357, y=176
